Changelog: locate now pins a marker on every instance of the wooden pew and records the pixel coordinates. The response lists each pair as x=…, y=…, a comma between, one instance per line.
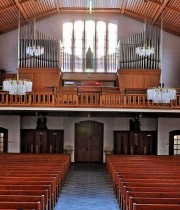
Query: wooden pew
x=23, y=198
x=20, y=205
x=31, y=177
x=29, y=193
x=143, y=174
x=156, y=207
x=136, y=200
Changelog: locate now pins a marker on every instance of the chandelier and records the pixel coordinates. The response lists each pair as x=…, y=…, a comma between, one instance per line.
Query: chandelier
x=161, y=94
x=34, y=49
x=17, y=87
x=145, y=50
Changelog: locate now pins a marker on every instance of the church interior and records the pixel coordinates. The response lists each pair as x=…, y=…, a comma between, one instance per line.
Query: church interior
x=90, y=104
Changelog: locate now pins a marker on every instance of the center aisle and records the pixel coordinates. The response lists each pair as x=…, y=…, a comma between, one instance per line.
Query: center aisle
x=87, y=188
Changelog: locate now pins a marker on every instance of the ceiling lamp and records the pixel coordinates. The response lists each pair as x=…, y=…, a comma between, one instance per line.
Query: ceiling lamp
x=17, y=87
x=34, y=49
x=145, y=50
x=161, y=94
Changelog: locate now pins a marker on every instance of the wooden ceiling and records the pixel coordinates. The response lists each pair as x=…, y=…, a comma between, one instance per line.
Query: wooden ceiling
x=137, y=9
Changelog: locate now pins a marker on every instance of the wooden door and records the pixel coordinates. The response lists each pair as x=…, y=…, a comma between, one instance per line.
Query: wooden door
x=149, y=143
x=3, y=140
x=40, y=141
x=27, y=140
x=88, y=141
x=143, y=142
x=121, y=142
x=55, y=141
x=135, y=143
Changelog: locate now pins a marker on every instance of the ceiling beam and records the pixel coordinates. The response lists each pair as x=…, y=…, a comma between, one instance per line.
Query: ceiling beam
x=166, y=28
x=123, y=6
x=45, y=14
x=23, y=13
x=156, y=2
x=57, y=5
x=84, y=10
x=175, y=9
x=9, y=6
x=23, y=1
x=160, y=11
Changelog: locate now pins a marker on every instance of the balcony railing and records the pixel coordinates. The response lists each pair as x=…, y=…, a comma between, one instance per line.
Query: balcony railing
x=84, y=99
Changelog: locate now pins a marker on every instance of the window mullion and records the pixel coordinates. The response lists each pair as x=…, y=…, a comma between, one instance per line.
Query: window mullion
x=106, y=50
x=95, y=47
x=73, y=53
x=84, y=48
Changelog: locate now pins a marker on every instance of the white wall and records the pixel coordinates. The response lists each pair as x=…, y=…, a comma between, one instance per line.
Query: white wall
x=52, y=26
x=165, y=125
x=52, y=122
x=123, y=124
x=12, y=124
x=9, y=51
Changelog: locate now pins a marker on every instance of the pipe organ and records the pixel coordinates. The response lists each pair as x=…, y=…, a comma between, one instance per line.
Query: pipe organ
x=37, y=50
x=129, y=59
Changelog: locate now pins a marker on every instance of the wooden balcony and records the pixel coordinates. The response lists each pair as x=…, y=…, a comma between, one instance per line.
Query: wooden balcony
x=132, y=98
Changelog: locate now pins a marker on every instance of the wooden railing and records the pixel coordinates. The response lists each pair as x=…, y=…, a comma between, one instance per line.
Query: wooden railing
x=84, y=99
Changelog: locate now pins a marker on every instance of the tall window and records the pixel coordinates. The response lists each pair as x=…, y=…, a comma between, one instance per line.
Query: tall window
x=89, y=46
x=1, y=142
x=177, y=145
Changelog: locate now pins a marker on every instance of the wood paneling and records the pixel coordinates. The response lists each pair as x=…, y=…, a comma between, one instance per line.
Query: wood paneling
x=42, y=141
x=42, y=78
x=135, y=142
x=138, y=78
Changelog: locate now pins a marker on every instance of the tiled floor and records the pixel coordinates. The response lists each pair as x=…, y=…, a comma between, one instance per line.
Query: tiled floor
x=87, y=188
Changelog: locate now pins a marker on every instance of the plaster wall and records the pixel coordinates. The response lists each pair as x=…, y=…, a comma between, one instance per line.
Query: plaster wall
x=12, y=124
x=165, y=125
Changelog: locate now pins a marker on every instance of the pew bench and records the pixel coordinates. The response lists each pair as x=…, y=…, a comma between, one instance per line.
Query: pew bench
x=155, y=207
x=142, y=200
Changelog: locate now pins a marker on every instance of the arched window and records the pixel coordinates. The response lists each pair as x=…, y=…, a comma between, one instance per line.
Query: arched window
x=174, y=142
x=3, y=140
x=89, y=46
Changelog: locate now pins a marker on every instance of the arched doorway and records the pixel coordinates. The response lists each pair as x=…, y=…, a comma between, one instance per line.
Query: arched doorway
x=3, y=140
x=89, y=141
x=174, y=142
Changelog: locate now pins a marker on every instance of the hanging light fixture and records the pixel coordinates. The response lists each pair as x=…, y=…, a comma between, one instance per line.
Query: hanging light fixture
x=17, y=86
x=145, y=50
x=35, y=49
x=161, y=94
